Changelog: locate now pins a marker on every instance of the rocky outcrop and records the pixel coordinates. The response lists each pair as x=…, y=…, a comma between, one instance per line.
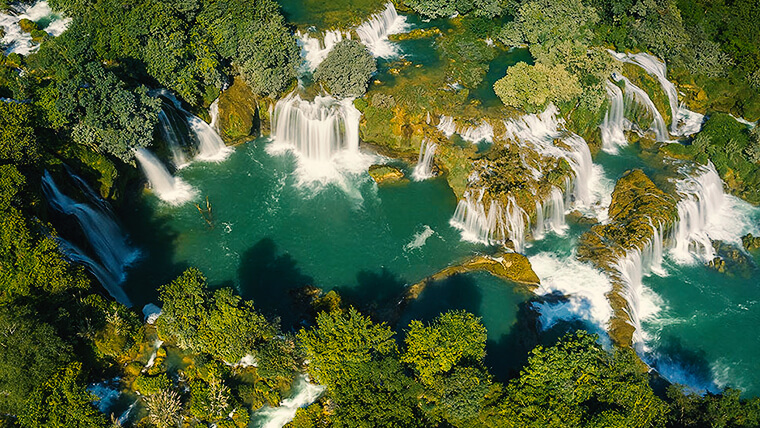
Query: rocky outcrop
x=508, y=266
x=637, y=207
x=751, y=243
x=386, y=174
x=239, y=118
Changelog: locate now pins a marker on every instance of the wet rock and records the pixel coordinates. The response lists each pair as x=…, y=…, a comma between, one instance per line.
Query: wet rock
x=385, y=174
x=238, y=113
x=751, y=243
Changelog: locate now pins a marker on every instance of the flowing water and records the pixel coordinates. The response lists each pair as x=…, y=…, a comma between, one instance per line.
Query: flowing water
x=16, y=40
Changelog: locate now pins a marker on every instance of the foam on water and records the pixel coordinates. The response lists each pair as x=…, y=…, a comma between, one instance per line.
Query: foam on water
x=168, y=188
x=375, y=31
x=17, y=41
x=276, y=417
x=419, y=239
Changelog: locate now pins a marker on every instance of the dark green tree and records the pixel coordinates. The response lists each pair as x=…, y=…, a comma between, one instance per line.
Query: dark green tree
x=347, y=69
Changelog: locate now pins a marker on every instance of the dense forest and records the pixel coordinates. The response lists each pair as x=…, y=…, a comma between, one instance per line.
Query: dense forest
x=85, y=100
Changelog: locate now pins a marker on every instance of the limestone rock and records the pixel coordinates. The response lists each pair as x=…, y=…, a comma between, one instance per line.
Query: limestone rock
x=384, y=174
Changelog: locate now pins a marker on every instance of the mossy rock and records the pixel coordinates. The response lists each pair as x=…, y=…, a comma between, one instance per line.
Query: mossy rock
x=385, y=174
x=751, y=243
x=238, y=113
x=27, y=25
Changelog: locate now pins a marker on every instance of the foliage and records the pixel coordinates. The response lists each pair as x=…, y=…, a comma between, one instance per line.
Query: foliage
x=347, y=69
x=446, y=8
x=340, y=343
x=18, y=143
x=712, y=410
x=164, y=408
x=436, y=348
x=62, y=402
x=577, y=383
x=149, y=385
x=533, y=87
x=468, y=58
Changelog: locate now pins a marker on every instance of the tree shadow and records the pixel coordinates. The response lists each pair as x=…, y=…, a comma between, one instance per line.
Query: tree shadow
x=376, y=294
x=672, y=359
x=271, y=280
x=455, y=292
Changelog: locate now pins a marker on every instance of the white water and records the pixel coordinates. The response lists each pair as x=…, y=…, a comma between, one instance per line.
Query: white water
x=447, y=126
x=106, y=238
x=314, y=49
x=419, y=239
x=210, y=144
x=658, y=69
x=492, y=226
x=641, y=303
x=424, y=168
x=213, y=113
x=20, y=42
x=167, y=187
x=305, y=394
x=172, y=140
x=689, y=122
x=476, y=134
x=636, y=95
x=584, y=290
x=151, y=312
x=106, y=394
x=613, y=126
x=375, y=31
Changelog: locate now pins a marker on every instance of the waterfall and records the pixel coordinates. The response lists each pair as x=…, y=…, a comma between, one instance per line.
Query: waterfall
x=107, y=240
x=476, y=134
x=314, y=50
x=375, y=31
x=689, y=122
x=167, y=187
x=210, y=144
x=213, y=113
x=494, y=226
x=447, y=126
x=17, y=41
x=277, y=417
x=640, y=304
x=540, y=132
x=172, y=140
x=424, y=168
x=702, y=199
x=555, y=212
x=614, y=120
x=319, y=129
x=637, y=95
x=658, y=69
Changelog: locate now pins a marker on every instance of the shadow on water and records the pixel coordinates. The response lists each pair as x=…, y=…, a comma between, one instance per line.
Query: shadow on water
x=375, y=294
x=270, y=280
x=681, y=365
x=454, y=292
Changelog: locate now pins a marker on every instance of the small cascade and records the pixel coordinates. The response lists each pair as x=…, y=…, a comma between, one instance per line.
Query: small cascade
x=210, y=144
x=314, y=50
x=375, y=31
x=172, y=140
x=689, y=122
x=105, y=237
x=167, y=187
x=318, y=129
x=20, y=42
x=631, y=271
x=494, y=226
x=555, y=212
x=637, y=96
x=476, y=134
x=305, y=393
x=424, y=168
x=447, y=126
x=213, y=113
x=702, y=198
x=658, y=69
x=614, y=120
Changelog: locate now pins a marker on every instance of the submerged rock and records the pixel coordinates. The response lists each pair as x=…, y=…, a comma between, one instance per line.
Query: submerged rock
x=731, y=260
x=385, y=174
x=750, y=242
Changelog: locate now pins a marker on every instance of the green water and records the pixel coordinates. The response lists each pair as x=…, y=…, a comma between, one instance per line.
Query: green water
x=496, y=70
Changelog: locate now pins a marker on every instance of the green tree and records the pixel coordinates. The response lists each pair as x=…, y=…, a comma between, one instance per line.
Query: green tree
x=18, y=143
x=451, y=338
x=340, y=343
x=269, y=57
x=533, y=87
x=347, y=69
x=62, y=402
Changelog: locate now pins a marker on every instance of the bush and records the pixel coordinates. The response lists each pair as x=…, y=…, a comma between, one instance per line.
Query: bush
x=149, y=385
x=347, y=69
x=533, y=87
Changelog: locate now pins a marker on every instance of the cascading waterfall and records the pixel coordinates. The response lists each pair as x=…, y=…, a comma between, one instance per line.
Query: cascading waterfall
x=172, y=140
x=636, y=95
x=319, y=129
x=493, y=226
x=613, y=125
x=375, y=31
x=213, y=114
x=446, y=125
x=107, y=240
x=18, y=41
x=476, y=134
x=701, y=199
x=210, y=144
x=424, y=168
x=550, y=215
x=277, y=417
x=315, y=49
x=167, y=187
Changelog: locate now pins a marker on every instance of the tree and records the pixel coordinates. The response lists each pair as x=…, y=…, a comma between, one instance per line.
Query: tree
x=269, y=57
x=446, y=8
x=164, y=408
x=340, y=343
x=533, y=87
x=347, y=69
x=18, y=143
x=453, y=337
x=62, y=402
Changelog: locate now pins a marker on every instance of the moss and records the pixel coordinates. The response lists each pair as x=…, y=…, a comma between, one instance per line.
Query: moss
x=384, y=174
x=238, y=113
x=639, y=77
x=27, y=25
